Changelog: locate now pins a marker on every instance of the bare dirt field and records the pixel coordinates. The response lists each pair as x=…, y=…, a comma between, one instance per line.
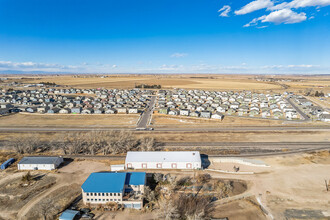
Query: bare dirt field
x=291, y=183
x=214, y=82
x=44, y=120
x=23, y=202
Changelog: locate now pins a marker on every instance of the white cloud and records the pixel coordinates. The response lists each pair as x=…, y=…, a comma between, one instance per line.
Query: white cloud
x=282, y=12
x=179, y=55
x=224, y=11
x=254, y=6
x=291, y=67
x=286, y=16
x=114, y=66
x=301, y=4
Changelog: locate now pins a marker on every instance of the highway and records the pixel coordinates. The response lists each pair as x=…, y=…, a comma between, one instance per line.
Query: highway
x=145, y=117
x=172, y=129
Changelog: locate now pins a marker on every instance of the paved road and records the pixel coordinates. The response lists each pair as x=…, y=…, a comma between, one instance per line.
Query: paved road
x=196, y=129
x=144, y=120
x=306, y=117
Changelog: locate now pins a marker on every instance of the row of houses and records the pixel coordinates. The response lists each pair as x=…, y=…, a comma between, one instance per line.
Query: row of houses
x=74, y=101
x=309, y=108
x=205, y=104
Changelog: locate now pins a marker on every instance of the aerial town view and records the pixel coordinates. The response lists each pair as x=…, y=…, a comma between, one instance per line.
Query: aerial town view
x=187, y=110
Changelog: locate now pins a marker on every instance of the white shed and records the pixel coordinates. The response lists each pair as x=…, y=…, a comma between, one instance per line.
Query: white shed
x=163, y=160
x=39, y=163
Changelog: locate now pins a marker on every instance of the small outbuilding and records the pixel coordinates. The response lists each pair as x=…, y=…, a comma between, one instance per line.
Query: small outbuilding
x=7, y=163
x=163, y=160
x=69, y=215
x=39, y=163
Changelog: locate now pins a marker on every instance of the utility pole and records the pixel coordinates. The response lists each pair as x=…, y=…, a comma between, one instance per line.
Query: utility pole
x=327, y=185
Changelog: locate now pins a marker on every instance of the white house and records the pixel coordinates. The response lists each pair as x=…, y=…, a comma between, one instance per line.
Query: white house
x=217, y=116
x=163, y=160
x=39, y=163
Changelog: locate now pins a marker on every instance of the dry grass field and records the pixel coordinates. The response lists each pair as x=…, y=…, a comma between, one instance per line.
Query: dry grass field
x=240, y=136
x=177, y=121
x=213, y=82
x=57, y=120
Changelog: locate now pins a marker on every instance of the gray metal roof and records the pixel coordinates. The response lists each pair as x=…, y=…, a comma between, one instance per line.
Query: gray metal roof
x=39, y=160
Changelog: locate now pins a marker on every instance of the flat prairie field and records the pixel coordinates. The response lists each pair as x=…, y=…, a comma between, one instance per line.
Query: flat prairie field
x=215, y=82
x=177, y=121
x=239, y=136
x=57, y=120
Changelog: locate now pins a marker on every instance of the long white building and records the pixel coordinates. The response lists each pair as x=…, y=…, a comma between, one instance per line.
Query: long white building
x=163, y=160
x=39, y=163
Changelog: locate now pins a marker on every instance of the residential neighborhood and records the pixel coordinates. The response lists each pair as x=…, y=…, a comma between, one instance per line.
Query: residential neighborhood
x=177, y=102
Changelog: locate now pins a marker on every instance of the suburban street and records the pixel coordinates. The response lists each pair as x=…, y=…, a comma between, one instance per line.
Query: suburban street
x=145, y=117
x=306, y=117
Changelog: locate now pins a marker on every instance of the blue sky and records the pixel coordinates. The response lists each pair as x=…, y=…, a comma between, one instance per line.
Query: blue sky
x=165, y=36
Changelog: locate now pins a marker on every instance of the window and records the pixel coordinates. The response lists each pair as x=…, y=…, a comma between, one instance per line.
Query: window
x=100, y=200
x=87, y=194
x=107, y=194
x=102, y=194
x=87, y=200
x=103, y=200
x=107, y=200
x=92, y=200
x=110, y=199
x=99, y=194
x=115, y=199
x=110, y=194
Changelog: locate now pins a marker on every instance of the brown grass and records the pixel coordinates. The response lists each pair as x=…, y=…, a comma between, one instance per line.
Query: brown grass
x=57, y=120
x=182, y=121
x=215, y=82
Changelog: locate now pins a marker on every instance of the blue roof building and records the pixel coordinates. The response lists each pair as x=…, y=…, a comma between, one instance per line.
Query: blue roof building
x=105, y=187
x=135, y=178
x=105, y=182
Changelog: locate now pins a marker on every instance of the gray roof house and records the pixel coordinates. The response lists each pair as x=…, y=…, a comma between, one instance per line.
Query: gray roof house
x=205, y=114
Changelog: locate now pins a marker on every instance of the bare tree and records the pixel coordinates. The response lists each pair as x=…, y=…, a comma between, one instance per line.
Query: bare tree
x=192, y=206
x=75, y=142
x=158, y=177
x=168, y=209
x=45, y=209
x=18, y=145
x=26, y=144
x=147, y=144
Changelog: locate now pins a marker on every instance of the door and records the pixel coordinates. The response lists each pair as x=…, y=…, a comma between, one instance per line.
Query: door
x=174, y=166
x=188, y=165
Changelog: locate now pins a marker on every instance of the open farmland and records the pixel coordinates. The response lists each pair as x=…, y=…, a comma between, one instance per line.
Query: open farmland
x=214, y=82
x=42, y=120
